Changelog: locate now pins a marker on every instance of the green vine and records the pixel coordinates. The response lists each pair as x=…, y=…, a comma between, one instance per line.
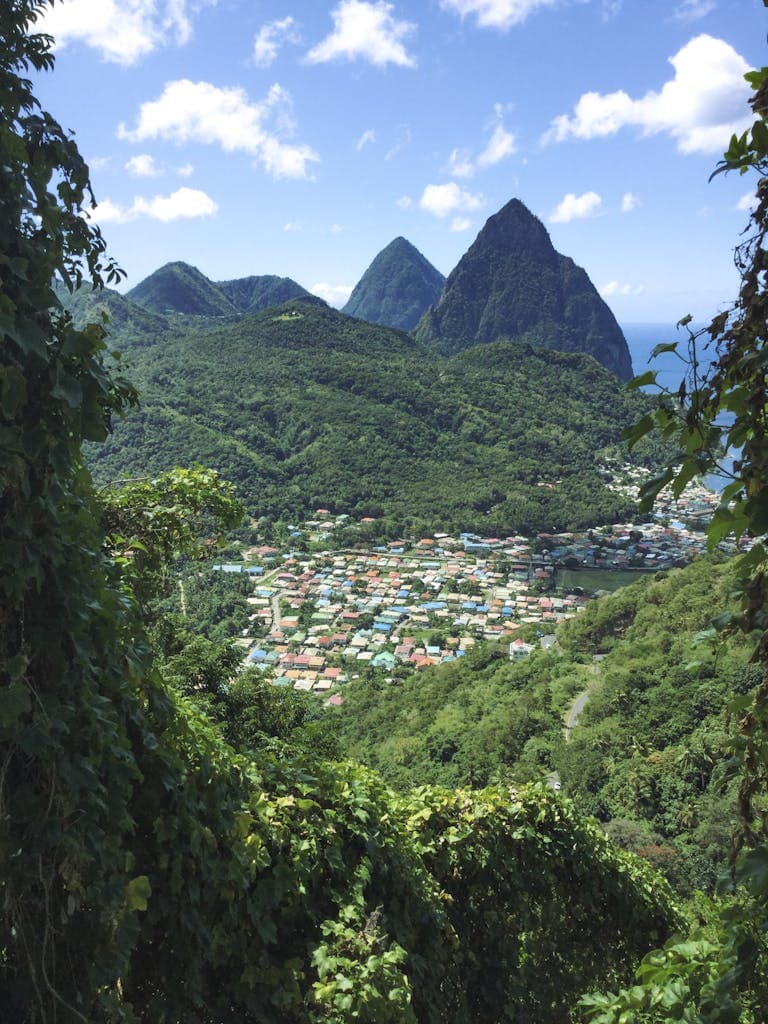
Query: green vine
x=149, y=873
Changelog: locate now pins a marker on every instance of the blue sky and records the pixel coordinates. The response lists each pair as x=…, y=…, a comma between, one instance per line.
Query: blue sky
x=300, y=138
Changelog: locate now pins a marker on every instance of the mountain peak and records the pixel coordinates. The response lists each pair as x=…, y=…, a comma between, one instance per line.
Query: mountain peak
x=512, y=284
x=396, y=289
x=251, y=294
x=180, y=288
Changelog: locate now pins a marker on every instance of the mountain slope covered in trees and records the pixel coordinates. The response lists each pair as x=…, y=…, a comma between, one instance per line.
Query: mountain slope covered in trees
x=512, y=284
x=181, y=288
x=645, y=757
x=397, y=288
x=303, y=407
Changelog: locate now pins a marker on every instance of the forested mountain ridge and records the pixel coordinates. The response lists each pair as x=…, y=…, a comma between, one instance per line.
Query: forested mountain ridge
x=512, y=284
x=304, y=407
x=181, y=288
x=251, y=294
x=397, y=288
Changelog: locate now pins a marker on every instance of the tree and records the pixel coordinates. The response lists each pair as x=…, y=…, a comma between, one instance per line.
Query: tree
x=149, y=522
x=717, y=974
x=147, y=871
x=64, y=627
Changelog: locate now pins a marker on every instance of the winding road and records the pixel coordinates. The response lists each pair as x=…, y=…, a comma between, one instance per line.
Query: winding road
x=574, y=711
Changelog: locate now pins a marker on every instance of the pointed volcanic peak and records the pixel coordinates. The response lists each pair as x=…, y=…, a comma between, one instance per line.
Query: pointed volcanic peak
x=252, y=294
x=180, y=288
x=512, y=284
x=397, y=288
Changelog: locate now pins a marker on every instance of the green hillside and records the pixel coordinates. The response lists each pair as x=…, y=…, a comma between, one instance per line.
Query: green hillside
x=645, y=756
x=397, y=288
x=301, y=407
x=250, y=294
x=180, y=288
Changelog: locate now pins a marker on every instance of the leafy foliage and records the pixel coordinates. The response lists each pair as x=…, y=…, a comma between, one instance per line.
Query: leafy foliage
x=147, y=871
x=302, y=407
x=150, y=522
x=646, y=757
x=721, y=976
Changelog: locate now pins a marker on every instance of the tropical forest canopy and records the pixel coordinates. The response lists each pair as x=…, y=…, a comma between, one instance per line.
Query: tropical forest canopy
x=180, y=843
x=151, y=871
x=302, y=407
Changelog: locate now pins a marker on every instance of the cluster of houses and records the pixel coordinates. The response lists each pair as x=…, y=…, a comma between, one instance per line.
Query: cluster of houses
x=327, y=616
x=331, y=615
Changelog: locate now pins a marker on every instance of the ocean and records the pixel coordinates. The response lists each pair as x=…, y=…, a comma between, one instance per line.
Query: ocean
x=642, y=339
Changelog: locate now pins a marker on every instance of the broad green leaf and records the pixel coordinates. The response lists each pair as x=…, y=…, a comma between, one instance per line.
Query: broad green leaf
x=667, y=346
x=13, y=390
x=649, y=377
x=138, y=892
x=634, y=433
x=68, y=389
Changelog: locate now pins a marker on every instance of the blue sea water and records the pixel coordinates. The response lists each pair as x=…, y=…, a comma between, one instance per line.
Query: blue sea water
x=671, y=371
x=643, y=338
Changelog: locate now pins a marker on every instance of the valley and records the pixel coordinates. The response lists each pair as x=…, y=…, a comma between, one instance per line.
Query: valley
x=324, y=615
x=313, y=709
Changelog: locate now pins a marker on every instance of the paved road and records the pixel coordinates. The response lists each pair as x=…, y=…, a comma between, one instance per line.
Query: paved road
x=275, y=612
x=576, y=708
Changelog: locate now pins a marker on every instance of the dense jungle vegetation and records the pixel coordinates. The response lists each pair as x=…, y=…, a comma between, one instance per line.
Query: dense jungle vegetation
x=302, y=407
x=167, y=853
x=150, y=871
x=645, y=757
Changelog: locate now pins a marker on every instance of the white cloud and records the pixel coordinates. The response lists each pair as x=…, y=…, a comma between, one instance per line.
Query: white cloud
x=143, y=166
x=108, y=212
x=334, y=294
x=614, y=288
x=185, y=171
x=443, y=200
x=573, y=207
x=500, y=145
x=460, y=163
x=404, y=202
x=496, y=13
x=336, y=229
x=99, y=163
x=460, y=224
x=611, y=9
x=184, y=204
x=629, y=202
x=122, y=31
x=701, y=107
x=291, y=225
x=368, y=136
x=271, y=37
x=200, y=112
x=366, y=31
x=693, y=10
x=747, y=202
